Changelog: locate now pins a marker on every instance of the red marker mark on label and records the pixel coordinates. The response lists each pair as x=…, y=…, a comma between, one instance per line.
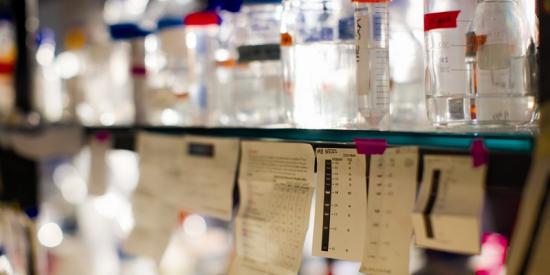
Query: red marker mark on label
x=440, y=20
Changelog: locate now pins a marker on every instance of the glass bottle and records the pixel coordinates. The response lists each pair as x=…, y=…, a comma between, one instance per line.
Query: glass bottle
x=256, y=96
x=499, y=61
x=318, y=51
x=167, y=64
x=445, y=24
x=7, y=66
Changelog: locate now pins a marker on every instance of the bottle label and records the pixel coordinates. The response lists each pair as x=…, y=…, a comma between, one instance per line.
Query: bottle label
x=263, y=52
x=440, y=20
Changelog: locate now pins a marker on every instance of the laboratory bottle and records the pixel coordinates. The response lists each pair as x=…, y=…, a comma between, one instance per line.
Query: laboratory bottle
x=500, y=56
x=373, y=64
x=167, y=66
x=319, y=64
x=48, y=98
x=128, y=29
x=407, y=97
x=446, y=23
x=256, y=95
x=5, y=265
x=7, y=66
x=202, y=41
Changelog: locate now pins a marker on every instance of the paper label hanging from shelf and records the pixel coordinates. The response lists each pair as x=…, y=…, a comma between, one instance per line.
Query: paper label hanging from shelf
x=276, y=187
x=100, y=144
x=392, y=192
x=208, y=170
x=447, y=215
x=160, y=164
x=531, y=240
x=341, y=204
x=154, y=222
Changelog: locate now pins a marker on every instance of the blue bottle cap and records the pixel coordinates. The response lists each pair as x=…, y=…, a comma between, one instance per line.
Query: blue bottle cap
x=45, y=36
x=228, y=5
x=125, y=31
x=6, y=15
x=32, y=212
x=259, y=2
x=169, y=22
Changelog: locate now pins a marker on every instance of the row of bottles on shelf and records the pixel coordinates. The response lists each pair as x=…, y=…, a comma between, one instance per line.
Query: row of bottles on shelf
x=305, y=63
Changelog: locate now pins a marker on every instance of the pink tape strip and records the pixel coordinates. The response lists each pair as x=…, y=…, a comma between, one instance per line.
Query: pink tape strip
x=367, y=146
x=138, y=71
x=102, y=136
x=480, y=153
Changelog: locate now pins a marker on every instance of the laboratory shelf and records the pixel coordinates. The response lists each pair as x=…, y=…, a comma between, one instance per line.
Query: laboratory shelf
x=510, y=142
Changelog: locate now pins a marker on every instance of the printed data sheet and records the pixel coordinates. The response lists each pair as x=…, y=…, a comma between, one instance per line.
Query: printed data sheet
x=276, y=184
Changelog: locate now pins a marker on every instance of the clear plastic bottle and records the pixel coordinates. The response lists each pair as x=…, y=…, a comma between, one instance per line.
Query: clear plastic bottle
x=128, y=29
x=7, y=66
x=499, y=60
x=318, y=50
x=445, y=24
x=106, y=85
x=167, y=64
x=48, y=98
x=255, y=97
x=201, y=36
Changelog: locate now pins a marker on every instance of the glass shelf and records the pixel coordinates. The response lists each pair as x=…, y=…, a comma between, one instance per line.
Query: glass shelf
x=512, y=142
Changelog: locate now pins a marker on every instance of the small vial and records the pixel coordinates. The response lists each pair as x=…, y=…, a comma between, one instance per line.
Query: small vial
x=373, y=70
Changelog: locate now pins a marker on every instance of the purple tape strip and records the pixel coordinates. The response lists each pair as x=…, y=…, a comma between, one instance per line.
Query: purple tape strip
x=367, y=146
x=138, y=71
x=102, y=136
x=479, y=152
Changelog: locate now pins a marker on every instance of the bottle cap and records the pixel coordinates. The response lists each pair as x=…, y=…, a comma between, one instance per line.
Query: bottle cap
x=125, y=31
x=228, y=5
x=202, y=18
x=169, y=22
x=75, y=39
x=259, y=2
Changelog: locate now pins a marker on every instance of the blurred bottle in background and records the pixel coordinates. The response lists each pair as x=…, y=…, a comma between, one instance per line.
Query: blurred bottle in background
x=49, y=99
x=7, y=64
x=254, y=95
x=166, y=62
x=202, y=42
x=318, y=51
x=128, y=95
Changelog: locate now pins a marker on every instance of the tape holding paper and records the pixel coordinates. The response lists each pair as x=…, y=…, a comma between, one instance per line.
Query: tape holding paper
x=367, y=146
x=480, y=153
x=440, y=20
